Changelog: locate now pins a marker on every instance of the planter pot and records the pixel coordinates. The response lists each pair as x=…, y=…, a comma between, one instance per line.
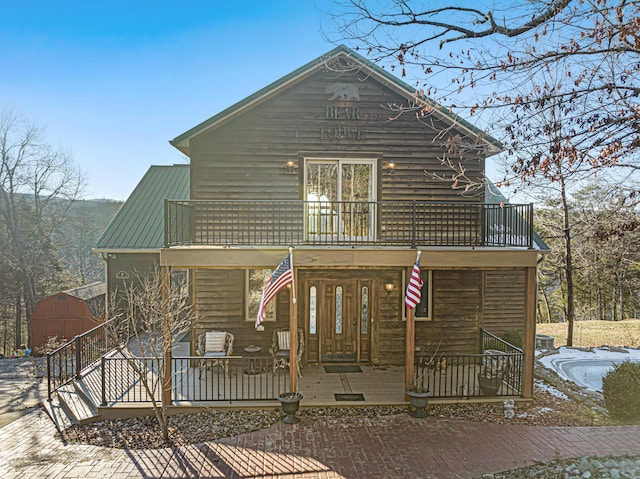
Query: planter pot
x=290, y=403
x=419, y=400
x=489, y=386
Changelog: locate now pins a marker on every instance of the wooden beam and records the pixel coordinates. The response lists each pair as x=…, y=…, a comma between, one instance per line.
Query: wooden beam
x=293, y=332
x=529, y=336
x=410, y=347
x=436, y=258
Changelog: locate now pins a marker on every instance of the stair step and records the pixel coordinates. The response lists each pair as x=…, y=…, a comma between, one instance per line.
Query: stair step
x=58, y=414
x=77, y=404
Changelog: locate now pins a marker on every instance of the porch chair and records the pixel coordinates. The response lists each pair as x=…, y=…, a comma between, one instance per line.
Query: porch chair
x=496, y=367
x=280, y=349
x=216, y=347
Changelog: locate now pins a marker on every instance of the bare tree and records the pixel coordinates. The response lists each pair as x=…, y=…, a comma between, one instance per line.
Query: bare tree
x=152, y=314
x=34, y=177
x=476, y=59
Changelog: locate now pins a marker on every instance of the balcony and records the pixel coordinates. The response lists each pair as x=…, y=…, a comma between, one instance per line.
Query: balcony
x=346, y=223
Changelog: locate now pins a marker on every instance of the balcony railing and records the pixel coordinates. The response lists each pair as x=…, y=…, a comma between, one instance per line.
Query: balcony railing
x=353, y=223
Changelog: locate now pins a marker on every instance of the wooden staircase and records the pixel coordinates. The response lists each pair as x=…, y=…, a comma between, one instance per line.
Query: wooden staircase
x=76, y=402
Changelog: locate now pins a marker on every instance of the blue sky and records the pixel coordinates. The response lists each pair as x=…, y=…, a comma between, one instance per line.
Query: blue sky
x=114, y=81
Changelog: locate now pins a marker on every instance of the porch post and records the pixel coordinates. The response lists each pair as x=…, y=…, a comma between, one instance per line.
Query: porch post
x=409, y=351
x=529, y=339
x=166, y=338
x=293, y=331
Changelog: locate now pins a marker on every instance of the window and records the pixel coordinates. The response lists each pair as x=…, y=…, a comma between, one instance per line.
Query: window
x=339, y=310
x=364, y=313
x=340, y=196
x=255, y=279
x=422, y=310
x=313, y=297
x=179, y=279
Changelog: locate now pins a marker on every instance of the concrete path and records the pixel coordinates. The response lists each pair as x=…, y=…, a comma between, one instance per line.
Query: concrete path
x=22, y=386
x=388, y=447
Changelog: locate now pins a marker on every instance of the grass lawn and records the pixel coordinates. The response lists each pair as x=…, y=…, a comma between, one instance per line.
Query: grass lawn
x=595, y=333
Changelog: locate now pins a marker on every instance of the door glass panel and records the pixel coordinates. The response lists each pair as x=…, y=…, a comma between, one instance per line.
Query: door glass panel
x=312, y=309
x=364, y=325
x=321, y=194
x=339, y=310
x=356, y=193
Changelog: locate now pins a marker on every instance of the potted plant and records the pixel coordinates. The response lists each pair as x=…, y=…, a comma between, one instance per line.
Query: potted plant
x=495, y=366
x=489, y=383
x=418, y=391
x=290, y=403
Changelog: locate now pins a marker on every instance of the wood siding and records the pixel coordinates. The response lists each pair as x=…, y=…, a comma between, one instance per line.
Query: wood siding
x=459, y=309
x=245, y=157
x=123, y=268
x=504, y=300
x=456, y=317
x=219, y=302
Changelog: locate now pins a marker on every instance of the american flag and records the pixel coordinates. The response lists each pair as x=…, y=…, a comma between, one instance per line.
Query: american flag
x=281, y=277
x=414, y=288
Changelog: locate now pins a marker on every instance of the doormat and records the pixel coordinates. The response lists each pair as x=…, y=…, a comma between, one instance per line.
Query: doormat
x=342, y=369
x=349, y=397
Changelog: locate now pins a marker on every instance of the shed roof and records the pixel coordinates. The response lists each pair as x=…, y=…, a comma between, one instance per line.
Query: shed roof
x=139, y=224
x=182, y=142
x=88, y=291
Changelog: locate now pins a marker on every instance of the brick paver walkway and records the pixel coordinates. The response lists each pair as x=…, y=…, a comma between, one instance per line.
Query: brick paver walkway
x=388, y=447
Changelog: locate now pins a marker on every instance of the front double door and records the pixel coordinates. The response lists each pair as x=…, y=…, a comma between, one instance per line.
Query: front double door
x=338, y=318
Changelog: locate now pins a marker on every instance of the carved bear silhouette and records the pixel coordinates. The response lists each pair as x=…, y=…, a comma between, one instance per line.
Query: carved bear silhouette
x=343, y=91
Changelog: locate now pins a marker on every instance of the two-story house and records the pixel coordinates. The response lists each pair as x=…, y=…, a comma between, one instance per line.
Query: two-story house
x=335, y=161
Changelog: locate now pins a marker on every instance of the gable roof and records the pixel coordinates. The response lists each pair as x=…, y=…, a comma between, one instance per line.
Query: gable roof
x=139, y=224
x=182, y=142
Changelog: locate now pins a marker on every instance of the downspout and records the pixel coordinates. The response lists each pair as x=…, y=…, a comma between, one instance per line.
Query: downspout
x=105, y=259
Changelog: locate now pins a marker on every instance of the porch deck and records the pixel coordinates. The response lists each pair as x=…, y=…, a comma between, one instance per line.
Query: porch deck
x=124, y=380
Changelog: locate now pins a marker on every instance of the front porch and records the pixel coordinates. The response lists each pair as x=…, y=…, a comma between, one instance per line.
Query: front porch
x=112, y=384
x=371, y=386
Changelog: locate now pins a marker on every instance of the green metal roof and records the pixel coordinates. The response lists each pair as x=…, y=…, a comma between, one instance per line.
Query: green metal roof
x=181, y=142
x=139, y=224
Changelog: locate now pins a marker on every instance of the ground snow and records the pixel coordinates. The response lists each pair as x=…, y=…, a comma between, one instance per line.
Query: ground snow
x=586, y=366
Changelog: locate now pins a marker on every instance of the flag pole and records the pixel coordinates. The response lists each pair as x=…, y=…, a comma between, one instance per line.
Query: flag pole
x=293, y=331
x=410, y=342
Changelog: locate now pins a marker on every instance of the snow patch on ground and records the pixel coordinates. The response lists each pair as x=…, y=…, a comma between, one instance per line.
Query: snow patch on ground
x=586, y=366
x=542, y=386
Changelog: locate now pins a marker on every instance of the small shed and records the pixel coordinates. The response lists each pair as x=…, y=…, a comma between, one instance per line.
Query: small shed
x=67, y=314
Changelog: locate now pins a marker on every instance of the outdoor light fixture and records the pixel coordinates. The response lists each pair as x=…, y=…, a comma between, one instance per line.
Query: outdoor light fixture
x=389, y=286
x=389, y=167
x=291, y=167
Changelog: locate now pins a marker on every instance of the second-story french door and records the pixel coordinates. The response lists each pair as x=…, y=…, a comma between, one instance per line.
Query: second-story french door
x=341, y=198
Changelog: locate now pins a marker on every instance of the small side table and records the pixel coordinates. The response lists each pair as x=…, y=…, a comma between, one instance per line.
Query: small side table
x=252, y=350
